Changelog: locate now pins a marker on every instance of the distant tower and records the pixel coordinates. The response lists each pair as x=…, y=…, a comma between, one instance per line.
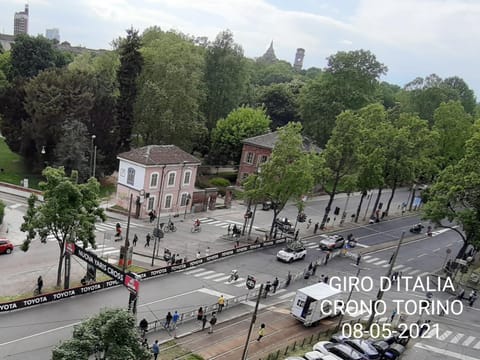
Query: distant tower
x=269, y=57
x=297, y=65
x=20, y=22
x=52, y=34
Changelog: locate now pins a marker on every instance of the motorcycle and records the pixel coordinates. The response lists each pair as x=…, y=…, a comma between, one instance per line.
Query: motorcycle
x=196, y=228
x=417, y=228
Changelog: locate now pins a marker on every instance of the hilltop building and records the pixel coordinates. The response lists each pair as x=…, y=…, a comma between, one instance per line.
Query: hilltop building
x=298, y=63
x=269, y=57
x=20, y=22
x=53, y=34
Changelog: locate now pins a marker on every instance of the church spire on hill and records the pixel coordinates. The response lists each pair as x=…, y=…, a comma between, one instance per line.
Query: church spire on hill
x=269, y=56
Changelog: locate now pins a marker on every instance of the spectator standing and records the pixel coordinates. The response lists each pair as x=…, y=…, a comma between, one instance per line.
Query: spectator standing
x=198, y=255
x=204, y=321
x=147, y=240
x=221, y=303
x=315, y=228
x=39, y=284
x=168, y=320
x=175, y=318
x=275, y=284
x=135, y=239
x=200, y=314
x=359, y=257
x=213, y=321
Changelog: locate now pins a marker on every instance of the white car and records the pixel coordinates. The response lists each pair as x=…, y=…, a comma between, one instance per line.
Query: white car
x=341, y=351
x=290, y=255
x=316, y=355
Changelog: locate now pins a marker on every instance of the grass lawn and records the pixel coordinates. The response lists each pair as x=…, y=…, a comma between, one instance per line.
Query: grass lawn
x=14, y=170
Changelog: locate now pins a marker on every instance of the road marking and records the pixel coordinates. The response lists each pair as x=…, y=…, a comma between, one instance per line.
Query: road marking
x=215, y=293
x=456, y=338
x=312, y=247
x=214, y=222
x=413, y=272
x=407, y=269
x=367, y=257
x=213, y=276
x=287, y=295
x=431, y=333
x=444, y=352
x=411, y=259
x=477, y=346
x=421, y=255
x=423, y=274
x=253, y=304
x=437, y=249
x=380, y=262
x=468, y=341
x=372, y=260
x=445, y=335
x=397, y=267
x=108, y=252
x=204, y=273
x=234, y=282
x=279, y=291
x=363, y=245
x=194, y=271
x=222, y=278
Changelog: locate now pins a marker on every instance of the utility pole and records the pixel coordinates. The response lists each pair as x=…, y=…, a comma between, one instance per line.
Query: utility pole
x=254, y=318
x=127, y=245
x=389, y=273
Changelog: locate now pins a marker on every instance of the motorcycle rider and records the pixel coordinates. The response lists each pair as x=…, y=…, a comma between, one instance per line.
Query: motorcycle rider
x=233, y=275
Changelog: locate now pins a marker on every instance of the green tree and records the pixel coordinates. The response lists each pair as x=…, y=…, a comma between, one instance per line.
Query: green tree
x=288, y=173
x=131, y=62
x=454, y=127
x=348, y=83
x=340, y=157
x=167, y=110
x=225, y=78
x=2, y=211
x=280, y=104
x=111, y=333
x=30, y=55
x=453, y=201
x=68, y=212
x=229, y=133
x=265, y=74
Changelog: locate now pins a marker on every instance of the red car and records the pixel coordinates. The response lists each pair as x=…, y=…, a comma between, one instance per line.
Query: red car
x=6, y=247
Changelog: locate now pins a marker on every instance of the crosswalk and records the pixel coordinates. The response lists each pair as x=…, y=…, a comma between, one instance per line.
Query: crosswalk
x=224, y=224
x=404, y=269
x=454, y=338
x=104, y=227
x=102, y=250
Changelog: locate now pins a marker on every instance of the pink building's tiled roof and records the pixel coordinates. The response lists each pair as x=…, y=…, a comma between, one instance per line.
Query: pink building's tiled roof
x=159, y=155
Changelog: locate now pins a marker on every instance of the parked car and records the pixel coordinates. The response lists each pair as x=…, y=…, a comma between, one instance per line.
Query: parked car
x=6, y=247
x=342, y=351
x=362, y=346
x=317, y=355
x=289, y=254
x=332, y=242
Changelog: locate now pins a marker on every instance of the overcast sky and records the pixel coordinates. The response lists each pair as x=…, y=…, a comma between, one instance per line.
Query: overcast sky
x=412, y=37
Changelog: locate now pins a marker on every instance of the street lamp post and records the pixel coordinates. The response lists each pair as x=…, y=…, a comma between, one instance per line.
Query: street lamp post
x=187, y=201
x=93, y=149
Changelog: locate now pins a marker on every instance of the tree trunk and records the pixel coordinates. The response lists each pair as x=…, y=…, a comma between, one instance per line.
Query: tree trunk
x=330, y=202
x=377, y=200
x=275, y=214
x=359, y=208
x=59, y=270
x=462, y=250
x=394, y=187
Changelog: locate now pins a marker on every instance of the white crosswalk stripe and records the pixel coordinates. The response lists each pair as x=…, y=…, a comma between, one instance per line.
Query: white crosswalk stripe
x=209, y=277
x=380, y=262
x=287, y=295
x=413, y=272
x=208, y=272
x=371, y=260
x=222, y=278
x=385, y=265
x=194, y=271
x=431, y=333
x=398, y=267
x=423, y=274
x=312, y=246
x=468, y=341
x=367, y=257
x=477, y=346
x=445, y=335
x=405, y=270
x=234, y=282
x=456, y=338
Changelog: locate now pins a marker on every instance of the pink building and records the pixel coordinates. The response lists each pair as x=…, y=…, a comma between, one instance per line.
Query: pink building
x=160, y=178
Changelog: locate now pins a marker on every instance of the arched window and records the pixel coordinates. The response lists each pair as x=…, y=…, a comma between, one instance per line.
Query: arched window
x=171, y=178
x=154, y=180
x=186, y=177
x=131, y=176
x=185, y=199
x=151, y=203
x=168, y=202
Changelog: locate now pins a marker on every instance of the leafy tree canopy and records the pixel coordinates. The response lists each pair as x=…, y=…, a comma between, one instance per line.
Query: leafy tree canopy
x=239, y=125
x=111, y=333
x=280, y=104
x=455, y=196
x=68, y=212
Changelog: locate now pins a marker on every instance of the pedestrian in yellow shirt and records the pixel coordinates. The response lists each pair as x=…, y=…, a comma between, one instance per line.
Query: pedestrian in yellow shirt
x=221, y=303
x=261, y=332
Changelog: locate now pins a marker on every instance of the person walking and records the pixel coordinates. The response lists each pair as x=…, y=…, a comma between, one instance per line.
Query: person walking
x=261, y=332
x=229, y=229
x=275, y=284
x=221, y=303
x=267, y=289
x=359, y=257
x=394, y=312
x=314, y=268
x=198, y=255
x=325, y=279
x=147, y=240
x=135, y=239
x=168, y=320
x=175, y=318
x=39, y=284
x=213, y=321
x=204, y=322
x=472, y=298
x=155, y=349
x=207, y=251
x=327, y=257
x=315, y=228
x=461, y=294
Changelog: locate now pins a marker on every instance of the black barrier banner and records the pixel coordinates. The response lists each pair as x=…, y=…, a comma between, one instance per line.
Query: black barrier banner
x=100, y=264
x=119, y=276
